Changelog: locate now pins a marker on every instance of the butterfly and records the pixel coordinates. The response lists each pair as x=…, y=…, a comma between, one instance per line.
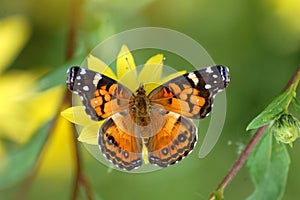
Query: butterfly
x=157, y=126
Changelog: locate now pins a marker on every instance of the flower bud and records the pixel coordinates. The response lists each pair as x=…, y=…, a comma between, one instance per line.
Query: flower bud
x=286, y=129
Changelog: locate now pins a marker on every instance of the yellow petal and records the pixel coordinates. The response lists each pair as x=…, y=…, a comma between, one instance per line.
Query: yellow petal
x=14, y=33
x=98, y=65
x=152, y=70
x=289, y=10
x=150, y=86
x=171, y=76
x=76, y=115
x=15, y=87
x=126, y=70
x=42, y=107
x=89, y=134
x=145, y=154
x=58, y=151
x=27, y=111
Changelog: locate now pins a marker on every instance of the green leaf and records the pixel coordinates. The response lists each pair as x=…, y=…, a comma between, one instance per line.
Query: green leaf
x=57, y=76
x=296, y=105
x=15, y=166
x=277, y=106
x=268, y=167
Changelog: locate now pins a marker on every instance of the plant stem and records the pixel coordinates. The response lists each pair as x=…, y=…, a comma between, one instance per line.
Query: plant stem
x=254, y=140
x=71, y=37
x=294, y=80
x=240, y=161
x=29, y=178
x=80, y=179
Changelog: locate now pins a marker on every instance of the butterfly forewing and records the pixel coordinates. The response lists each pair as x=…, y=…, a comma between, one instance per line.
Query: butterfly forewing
x=101, y=95
x=192, y=94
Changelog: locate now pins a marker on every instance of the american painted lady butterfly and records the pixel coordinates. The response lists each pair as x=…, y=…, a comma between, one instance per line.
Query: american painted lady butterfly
x=157, y=124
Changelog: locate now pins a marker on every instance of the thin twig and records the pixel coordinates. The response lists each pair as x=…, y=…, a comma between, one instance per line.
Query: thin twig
x=80, y=179
x=241, y=160
x=293, y=79
x=73, y=25
x=29, y=178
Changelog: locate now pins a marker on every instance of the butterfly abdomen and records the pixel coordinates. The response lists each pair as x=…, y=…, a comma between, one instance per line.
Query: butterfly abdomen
x=140, y=108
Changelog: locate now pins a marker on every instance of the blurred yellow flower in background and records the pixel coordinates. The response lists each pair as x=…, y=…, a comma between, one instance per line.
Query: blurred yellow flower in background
x=289, y=11
x=23, y=110
x=280, y=25
x=14, y=33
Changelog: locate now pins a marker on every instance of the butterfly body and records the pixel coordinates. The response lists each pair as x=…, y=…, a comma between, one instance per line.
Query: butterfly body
x=139, y=107
x=158, y=122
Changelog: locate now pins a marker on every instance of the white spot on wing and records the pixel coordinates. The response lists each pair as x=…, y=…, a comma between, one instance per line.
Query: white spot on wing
x=194, y=78
x=208, y=70
x=86, y=88
x=78, y=77
x=82, y=71
x=96, y=79
x=207, y=86
x=215, y=76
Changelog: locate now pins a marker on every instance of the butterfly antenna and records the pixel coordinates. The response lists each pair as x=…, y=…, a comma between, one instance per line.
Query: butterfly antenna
x=156, y=68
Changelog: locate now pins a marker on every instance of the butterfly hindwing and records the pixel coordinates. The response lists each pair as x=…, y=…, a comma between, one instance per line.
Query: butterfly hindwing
x=118, y=142
x=101, y=95
x=173, y=142
x=192, y=94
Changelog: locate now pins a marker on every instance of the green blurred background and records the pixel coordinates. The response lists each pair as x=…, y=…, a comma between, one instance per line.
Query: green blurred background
x=258, y=39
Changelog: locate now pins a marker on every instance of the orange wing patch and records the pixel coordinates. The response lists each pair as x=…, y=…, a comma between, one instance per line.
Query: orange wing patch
x=188, y=101
x=122, y=148
x=101, y=95
x=192, y=94
x=173, y=142
x=110, y=99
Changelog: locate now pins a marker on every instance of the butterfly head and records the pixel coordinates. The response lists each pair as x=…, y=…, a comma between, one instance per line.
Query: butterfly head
x=140, y=90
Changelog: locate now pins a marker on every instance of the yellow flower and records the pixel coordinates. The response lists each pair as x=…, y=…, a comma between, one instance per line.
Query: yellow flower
x=126, y=75
x=23, y=110
x=289, y=10
x=282, y=19
x=14, y=32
